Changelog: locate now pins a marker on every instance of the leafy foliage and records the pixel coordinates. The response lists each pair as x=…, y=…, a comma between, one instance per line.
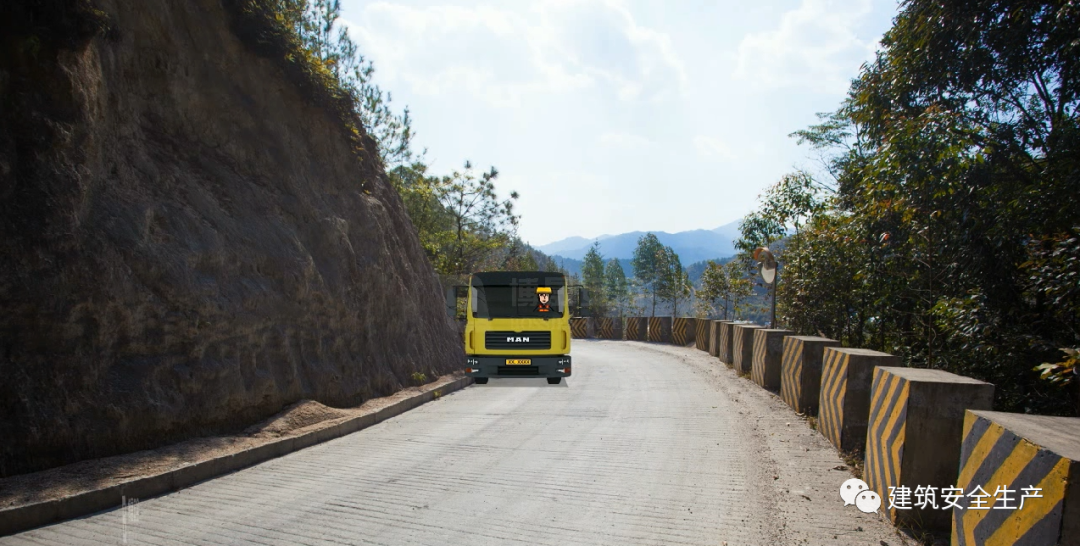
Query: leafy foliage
x=948, y=235
x=724, y=288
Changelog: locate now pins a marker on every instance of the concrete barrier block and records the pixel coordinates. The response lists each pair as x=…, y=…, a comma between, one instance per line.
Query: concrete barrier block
x=636, y=328
x=714, y=337
x=608, y=328
x=701, y=334
x=726, y=348
x=578, y=328
x=1009, y=456
x=660, y=329
x=800, y=374
x=768, y=355
x=604, y=328
x=743, y=346
x=847, y=376
x=913, y=437
x=683, y=330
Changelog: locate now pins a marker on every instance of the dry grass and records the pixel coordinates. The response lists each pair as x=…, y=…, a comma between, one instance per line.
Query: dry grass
x=854, y=461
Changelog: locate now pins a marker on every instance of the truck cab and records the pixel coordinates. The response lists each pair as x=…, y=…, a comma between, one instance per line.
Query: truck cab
x=517, y=325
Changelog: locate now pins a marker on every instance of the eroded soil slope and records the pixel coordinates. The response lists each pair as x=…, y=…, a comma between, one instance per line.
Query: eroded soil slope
x=188, y=242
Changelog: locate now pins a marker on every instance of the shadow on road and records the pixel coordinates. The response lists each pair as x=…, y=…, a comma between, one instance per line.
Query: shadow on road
x=521, y=382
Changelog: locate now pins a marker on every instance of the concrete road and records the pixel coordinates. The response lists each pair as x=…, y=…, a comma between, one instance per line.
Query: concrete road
x=645, y=444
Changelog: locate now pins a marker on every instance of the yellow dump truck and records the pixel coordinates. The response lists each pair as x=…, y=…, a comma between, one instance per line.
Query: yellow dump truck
x=517, y=324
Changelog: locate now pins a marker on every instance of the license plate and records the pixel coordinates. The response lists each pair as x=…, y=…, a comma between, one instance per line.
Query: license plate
x=518, y=361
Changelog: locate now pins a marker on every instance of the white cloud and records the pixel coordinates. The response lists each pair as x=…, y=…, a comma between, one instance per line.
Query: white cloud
x=503, y=54
x=814, y=47
x=710, y=147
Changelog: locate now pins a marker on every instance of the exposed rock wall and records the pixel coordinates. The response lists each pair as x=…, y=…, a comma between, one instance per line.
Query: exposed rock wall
x=187, y=243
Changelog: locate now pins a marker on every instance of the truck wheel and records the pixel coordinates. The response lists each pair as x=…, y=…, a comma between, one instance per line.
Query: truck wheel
x=480, y=380
x=554, y=380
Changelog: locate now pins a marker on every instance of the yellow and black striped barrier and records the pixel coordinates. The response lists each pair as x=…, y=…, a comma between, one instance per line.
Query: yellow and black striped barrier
x=800, y=371
x=578, y=328
x=742, y=349
x=660, y=329
x=714, y=336
x=725, y=349
x=913, y=437
x=683, y=330
x=768, y=353
x=847, y=376
x=1014, y=458
x=605, y=329
x=701, y=334
x=636, y=328
x=609, y=328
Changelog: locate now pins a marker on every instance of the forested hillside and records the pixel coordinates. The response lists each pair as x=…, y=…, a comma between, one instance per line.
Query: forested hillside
x=945, y=228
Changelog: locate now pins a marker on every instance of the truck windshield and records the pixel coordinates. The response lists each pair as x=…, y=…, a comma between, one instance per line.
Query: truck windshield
x=518, y=294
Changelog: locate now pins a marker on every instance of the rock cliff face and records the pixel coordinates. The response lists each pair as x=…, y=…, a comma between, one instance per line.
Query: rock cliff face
x=187, y=242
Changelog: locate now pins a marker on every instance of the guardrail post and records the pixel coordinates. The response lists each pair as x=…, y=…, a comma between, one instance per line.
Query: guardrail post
x=726, y=342
x=714, y=336
x=578, y=328
x=660, y=329
x=683, y=330
x=800, y=376
x=617, y=328
x=916, y=424
x=847, y=376
x=768, y=353
x=701, y=334
x=743, y=346
x=1019, y=453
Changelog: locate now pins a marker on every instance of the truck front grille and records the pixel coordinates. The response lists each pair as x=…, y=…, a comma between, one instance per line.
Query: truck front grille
x=517, y=340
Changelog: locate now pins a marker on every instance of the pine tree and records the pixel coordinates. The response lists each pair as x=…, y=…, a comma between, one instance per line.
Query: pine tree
x=616, y=288
x=647, y=261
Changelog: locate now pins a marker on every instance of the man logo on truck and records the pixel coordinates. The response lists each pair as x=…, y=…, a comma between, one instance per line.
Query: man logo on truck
x=513, y=339
x=544, y=294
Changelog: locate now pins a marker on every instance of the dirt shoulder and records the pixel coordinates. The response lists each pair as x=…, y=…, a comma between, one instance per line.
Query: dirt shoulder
x=297, y=420
x=797, y=461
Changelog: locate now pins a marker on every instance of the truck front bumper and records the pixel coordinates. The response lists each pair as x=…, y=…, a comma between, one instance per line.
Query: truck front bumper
x=538, y=366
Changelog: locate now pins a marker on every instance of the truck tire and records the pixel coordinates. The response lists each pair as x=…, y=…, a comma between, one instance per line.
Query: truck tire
x=554, y=380
x=480, y=380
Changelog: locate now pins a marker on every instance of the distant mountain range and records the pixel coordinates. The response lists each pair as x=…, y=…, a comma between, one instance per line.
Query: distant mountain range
x=691, y=246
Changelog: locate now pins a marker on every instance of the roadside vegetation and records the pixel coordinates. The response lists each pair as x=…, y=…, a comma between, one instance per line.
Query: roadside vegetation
x=943, y=227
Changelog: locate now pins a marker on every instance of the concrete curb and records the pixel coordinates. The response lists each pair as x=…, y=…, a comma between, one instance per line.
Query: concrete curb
x=22, y=518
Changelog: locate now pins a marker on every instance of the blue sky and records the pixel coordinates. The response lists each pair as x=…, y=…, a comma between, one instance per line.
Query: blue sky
x=611, y=116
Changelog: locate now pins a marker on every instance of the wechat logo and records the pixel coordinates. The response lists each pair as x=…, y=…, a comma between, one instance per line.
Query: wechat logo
x=855, y=491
